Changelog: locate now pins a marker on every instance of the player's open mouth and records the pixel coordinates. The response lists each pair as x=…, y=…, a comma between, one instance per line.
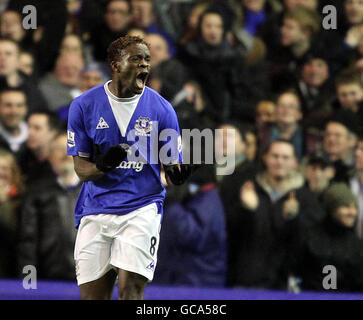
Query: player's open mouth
x=141, y=79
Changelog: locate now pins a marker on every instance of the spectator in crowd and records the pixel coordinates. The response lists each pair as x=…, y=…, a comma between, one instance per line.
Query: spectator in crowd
x=190, y=105
x=251, y=142
x=265, y=113
x=13, y=110
x=344, y=42
x=11, y=77
x=230, y=150
x=47, y=233
x=333, y=242
x=136, y=32
x=191, y=31
x=74, y=7
x=192, y=248
x=45, y=40
x=144, y=17
x=117, y=18
x=11, y=26
x=26, y=63
x=318, y=173
x=11, y=191
x=272, y=207
x=340, y=139
x=34, y=153
x=72, y=44
x=287, y=123
x=265, y=117
x=253, y=14
x=292, y=4
x=353, y=12
x=218, y=67
x=229, y=184
x=167, y=75
x=297, y=31
x=92, y=75
x=62, y=85
x=349, y=91
x=252, y=19
x=314, y=89
x=83, y=15
x=356, y=184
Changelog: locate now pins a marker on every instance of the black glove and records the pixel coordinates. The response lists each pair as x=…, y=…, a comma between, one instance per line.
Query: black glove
x=178, y=175
x=108, y=161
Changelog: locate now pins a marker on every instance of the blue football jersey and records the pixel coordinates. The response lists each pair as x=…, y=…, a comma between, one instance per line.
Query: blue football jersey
x=153, y=136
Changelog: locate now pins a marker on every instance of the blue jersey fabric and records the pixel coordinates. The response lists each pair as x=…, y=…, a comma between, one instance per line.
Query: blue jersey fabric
x=134, y=184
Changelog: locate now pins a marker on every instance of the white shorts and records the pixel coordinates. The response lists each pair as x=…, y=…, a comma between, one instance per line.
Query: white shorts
x=129, y=242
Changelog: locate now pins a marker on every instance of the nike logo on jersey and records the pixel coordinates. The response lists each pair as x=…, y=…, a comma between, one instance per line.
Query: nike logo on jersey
x=102, y=124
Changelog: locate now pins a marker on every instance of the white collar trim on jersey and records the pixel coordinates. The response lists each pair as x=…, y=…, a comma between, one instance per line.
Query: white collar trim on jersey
x=113, y=97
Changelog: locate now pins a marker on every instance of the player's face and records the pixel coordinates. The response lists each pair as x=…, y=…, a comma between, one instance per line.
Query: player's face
x=133, y=68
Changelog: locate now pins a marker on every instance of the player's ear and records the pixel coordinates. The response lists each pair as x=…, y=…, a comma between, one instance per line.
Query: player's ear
x=115, y=66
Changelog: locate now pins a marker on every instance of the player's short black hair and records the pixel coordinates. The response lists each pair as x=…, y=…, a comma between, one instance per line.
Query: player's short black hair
x=54, y=122
x=115, y=48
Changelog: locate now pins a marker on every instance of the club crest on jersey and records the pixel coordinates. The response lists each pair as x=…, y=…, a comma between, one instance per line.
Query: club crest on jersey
x=143, y=126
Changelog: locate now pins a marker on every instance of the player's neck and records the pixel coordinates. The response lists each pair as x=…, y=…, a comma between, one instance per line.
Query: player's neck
x=118, y=90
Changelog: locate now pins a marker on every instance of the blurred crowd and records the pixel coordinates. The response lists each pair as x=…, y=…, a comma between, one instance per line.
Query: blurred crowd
x=291, y=90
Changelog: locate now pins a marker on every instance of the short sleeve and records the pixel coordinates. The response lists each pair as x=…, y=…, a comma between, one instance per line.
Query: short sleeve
x=170, y=142
x=78, y=142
